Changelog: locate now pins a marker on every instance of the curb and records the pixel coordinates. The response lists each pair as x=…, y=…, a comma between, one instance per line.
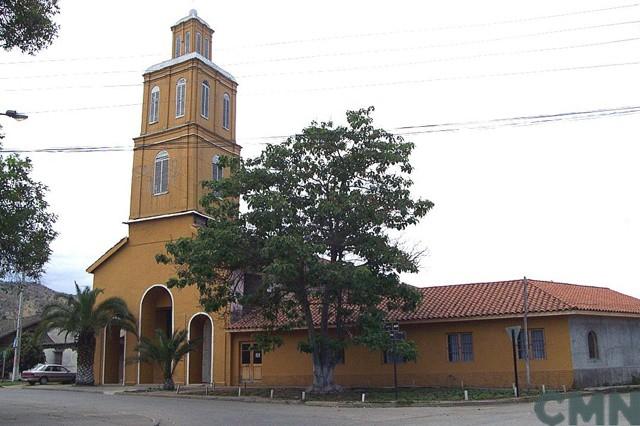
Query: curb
x=337, y=404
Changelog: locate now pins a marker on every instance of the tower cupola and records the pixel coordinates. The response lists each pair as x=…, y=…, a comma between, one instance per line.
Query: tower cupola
x=192, y=34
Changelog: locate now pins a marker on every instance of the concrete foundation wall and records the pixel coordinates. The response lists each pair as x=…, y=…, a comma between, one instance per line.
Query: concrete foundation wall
x=618, y=350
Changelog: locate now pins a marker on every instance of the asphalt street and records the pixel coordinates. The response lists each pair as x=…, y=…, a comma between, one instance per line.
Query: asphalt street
x=33, y=406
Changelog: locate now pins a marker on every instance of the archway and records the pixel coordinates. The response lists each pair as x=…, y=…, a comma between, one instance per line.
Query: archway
x=113, y=355
x=200, y=361
x=156, y=312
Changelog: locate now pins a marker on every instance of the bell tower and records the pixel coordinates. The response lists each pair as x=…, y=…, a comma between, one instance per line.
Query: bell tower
x=188, y=122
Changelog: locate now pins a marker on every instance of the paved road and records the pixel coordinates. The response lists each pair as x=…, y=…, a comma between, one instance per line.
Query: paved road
x=30, y=406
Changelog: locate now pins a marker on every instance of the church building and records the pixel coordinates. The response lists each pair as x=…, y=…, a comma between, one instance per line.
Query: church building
x=577, y=335
x=188, y=122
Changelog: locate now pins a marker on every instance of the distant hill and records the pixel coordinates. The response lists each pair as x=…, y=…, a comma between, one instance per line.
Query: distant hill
x=35, y=298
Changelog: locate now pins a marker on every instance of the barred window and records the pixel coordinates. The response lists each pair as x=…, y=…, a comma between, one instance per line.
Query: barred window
x=460, y=347
x=536, y=344
x=592, y=341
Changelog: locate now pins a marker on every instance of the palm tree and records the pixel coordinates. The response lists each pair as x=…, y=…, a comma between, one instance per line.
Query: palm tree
x=166, y=352
x=80, y=316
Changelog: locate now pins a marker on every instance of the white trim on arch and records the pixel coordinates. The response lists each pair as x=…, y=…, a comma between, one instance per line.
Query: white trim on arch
x=212, y=345
x=173, y=320
x=104, y=345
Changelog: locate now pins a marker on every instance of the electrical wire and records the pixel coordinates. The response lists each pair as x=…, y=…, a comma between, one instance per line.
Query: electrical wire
x=529, y=120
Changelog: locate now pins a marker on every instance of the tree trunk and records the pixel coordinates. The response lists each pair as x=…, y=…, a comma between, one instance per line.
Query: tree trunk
x=86, y=350
x=168, y=377
x=323, y=377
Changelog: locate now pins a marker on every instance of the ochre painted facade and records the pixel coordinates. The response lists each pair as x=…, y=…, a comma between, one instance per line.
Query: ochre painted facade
x=191, y=141
x=492, y=364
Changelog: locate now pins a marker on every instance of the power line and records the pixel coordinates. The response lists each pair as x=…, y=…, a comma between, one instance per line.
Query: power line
x=402, y=130
x=435, y=45
x=374, y=51
x=447, y=59
x=357, y=35
x=339, y=69
x=358, y=86
x=441, y=28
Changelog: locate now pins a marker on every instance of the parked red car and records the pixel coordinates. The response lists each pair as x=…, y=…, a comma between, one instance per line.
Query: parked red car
x=45, y=373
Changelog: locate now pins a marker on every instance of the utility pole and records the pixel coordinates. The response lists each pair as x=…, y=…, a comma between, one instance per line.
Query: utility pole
x=16, y=353
x=526, y=331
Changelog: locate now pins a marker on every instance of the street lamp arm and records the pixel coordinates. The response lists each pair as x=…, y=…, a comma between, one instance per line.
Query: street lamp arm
x=15, y=115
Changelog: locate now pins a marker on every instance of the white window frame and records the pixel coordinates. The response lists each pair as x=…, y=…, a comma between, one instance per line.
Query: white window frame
x=204, y=99
x=187, y=42
x=154, y=105
x=226, y=111
x=178, y=47
x=181, y=94
x=161, y=173
x=217, y=171
x=198, y=43
x=206, y=47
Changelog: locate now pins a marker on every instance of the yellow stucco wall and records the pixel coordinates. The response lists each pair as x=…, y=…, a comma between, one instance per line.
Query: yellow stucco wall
x=492, y=365
x=132, y=270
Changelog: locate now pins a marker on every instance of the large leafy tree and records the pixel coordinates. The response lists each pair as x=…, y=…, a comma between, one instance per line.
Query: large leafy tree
x=166, y=352
x=26, y=225
x=28, y=24
x=320, y=210
x=81, y=316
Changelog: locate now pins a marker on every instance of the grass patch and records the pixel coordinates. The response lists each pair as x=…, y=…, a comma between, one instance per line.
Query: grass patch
x=10, y=383
x=405, y=395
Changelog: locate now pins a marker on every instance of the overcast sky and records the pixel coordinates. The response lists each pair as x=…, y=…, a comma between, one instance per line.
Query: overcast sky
x=556, y=201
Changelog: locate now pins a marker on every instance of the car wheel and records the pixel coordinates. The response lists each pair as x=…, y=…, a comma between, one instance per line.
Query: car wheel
x=31, y=383
x=44, y=380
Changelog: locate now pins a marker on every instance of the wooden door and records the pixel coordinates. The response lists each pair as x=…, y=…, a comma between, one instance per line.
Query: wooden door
x=250, y=363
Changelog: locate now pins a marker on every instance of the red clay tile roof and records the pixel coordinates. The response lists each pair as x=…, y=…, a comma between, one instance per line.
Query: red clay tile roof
x=503, y=298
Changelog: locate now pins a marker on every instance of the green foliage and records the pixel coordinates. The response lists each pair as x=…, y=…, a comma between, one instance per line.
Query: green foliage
x=320, y=210
x=31, y=352
x=28, y=24
x=26, y=225
x=166, y=352
x=81, y=316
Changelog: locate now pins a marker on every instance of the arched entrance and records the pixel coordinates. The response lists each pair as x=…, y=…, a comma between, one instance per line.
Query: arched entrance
x=156, y=312
x=200, y=361
x=113, y=366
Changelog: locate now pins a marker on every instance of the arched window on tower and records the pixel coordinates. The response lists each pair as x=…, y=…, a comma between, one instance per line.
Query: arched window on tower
x=161, y=173
x=218, y=170
x=204, y=99
x=177, y=48
x=181, y=91
x=206, y=48
x=154, y=105
x=226, y=111
x=592, y=342
x=187, y=42
x=199, y=43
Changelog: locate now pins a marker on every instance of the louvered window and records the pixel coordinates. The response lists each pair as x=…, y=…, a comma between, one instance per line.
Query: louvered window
x=198, y=43
x=154, y=105
x=187, y=42
x=177, y=48
x=226, y=111
x=181, y=90
x=204, y=99
x=161, y=173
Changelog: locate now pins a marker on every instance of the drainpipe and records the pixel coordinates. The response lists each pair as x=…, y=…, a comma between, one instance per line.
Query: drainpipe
x=526, y=331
